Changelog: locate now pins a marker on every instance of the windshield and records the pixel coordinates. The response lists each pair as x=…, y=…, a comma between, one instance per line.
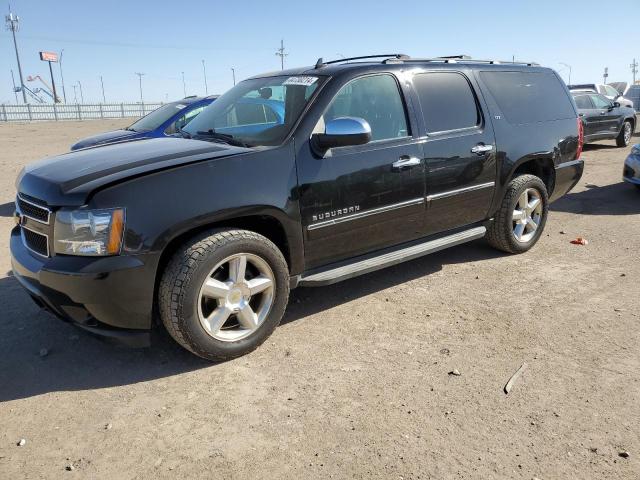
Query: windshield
x=256, y=112
x=156, y=118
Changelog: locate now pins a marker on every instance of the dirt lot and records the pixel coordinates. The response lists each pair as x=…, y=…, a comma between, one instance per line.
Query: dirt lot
x=355, y=383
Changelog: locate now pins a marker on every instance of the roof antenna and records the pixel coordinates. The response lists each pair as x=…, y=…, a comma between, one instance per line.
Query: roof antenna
x=320, y=63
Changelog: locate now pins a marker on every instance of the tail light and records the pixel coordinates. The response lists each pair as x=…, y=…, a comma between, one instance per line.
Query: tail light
x=580, y=138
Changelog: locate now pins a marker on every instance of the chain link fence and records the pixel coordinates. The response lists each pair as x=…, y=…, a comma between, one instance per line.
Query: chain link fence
x=75, y=111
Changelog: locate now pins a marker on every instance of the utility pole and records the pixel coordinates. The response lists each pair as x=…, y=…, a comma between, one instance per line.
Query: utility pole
x=13, y=24
x=75, y=94
x=634, y=69
x=64, y=93
x=140, y=74
x=104, y=100
x=184, y=86
x=53, y=85
x=569, y=67
x=81, y=95
x=15, y=92
x=605, y=75
x=280, y=53
x=204, y=72
x=233, y=72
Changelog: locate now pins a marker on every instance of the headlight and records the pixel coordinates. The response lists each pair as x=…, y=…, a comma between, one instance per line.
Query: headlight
x=635, y=150
x=89, y=232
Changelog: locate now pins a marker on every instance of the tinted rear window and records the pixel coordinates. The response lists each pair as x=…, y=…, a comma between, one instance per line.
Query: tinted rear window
x=529, y=97
x=447, y=101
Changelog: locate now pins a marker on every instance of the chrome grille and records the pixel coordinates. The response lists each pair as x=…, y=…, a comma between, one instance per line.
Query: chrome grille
x=36, y=242
x=32, y=210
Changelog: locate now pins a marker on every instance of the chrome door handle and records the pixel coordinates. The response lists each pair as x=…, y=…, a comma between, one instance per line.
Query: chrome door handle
x=481, y=149
x=406, y=162
x=603, y=113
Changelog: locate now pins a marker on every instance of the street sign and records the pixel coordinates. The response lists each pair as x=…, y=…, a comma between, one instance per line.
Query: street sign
x=48, y=56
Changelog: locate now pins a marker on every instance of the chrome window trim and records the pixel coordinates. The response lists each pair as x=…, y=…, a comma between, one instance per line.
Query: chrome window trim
x=451, y=193
x=22, y=199
x=24, y=241
x=366, y=213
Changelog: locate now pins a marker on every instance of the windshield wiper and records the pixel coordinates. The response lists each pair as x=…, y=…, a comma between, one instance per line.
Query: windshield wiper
x=223, y=137
x=130, y=129
x=183, y=133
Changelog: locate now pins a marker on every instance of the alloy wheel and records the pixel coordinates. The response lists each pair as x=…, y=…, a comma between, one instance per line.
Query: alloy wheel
x=627, y=133
x=236, y=297
x=527, y=215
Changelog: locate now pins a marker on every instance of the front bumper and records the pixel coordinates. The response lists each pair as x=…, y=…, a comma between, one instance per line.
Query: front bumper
x=568, y=174
x=631, y=169
x=109, y=296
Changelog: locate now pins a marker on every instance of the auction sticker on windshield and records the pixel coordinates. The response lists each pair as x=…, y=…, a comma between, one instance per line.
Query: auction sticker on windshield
x=304, y=81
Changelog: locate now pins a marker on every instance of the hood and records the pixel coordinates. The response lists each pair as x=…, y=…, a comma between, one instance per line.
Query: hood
x=68, y=179
x=114, y=136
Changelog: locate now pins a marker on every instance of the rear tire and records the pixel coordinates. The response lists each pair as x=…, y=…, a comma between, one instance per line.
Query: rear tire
x=223, y=293
x=520, y=220
x=624, y=137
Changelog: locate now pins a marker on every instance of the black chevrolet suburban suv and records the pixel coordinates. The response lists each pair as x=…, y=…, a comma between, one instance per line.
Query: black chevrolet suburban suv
x=301, y=177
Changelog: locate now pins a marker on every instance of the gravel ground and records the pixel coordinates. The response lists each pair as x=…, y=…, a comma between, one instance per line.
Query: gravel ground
x=355, y=383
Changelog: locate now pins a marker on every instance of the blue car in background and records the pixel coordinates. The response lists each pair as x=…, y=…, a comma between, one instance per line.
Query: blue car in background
x=163, y=121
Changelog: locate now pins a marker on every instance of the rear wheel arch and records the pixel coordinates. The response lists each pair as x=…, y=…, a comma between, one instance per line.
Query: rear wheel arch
x=543, y=168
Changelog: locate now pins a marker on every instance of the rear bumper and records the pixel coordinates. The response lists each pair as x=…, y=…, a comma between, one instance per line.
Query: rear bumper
x=568, y=174
x=631, y=169
x=108, y=296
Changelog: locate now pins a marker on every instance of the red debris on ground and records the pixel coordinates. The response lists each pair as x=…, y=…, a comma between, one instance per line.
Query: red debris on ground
x=580, y=241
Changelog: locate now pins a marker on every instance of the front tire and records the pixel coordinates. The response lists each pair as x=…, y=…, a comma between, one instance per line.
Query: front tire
x=624, y=138
x=223, y=293
x=520, y=221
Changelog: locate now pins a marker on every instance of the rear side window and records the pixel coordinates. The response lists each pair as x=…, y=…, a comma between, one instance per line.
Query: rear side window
x=447, y=101
x=529, y=97
x=583, y=102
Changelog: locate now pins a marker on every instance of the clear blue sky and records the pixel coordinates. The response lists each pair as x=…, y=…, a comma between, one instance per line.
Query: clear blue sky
x=163, y=38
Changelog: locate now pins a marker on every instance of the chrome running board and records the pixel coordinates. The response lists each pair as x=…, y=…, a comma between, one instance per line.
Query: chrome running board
x=394, y=257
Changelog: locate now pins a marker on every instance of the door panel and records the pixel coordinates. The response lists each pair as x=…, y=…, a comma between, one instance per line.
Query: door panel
x=460, y=183
x=459, y=151
x=587, y=114
x=353, y=200
x=605, y=119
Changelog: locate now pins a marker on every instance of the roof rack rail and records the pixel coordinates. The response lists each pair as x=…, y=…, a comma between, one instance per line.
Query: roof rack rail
x=400, y=58
x=466, y=59
x=396, y=56
x=457, y=57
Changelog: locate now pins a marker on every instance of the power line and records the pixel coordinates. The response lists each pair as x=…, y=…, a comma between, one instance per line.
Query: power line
x=280, y=53
x=13, y=24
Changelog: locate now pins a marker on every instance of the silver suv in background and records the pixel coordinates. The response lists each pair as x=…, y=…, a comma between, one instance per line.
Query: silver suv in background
x=607, y=90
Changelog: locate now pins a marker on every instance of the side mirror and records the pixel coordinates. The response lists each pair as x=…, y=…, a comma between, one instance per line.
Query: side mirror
x=616, y=104
x=343, y=132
